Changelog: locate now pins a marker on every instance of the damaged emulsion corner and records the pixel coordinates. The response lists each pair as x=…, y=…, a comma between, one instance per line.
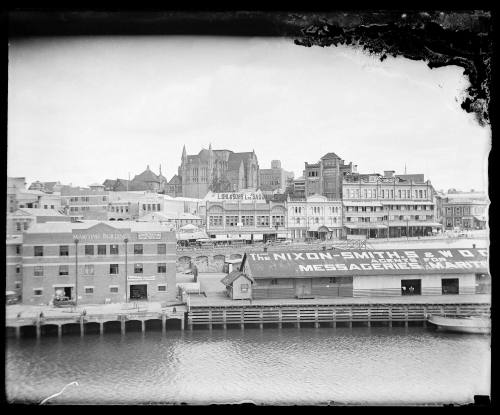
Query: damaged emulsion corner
x=439, y=38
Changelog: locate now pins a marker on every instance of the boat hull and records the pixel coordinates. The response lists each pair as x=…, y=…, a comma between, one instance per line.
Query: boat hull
x=461, y=325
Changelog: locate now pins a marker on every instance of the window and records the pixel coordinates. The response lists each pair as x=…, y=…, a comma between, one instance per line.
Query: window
x=88, y=269
x=138, y=268
x=162, y=287
x=18, y=249
x=26, y=226
x=262, y=220
x=89, y=249
x=89, y=290
x=38, y=271
x=38, y=250
x=63, y=270
x=449, y=286
x=101, y=249
x=244, y=288
x=247, y=220
x=138, y=249
x=18, y=226
x=113, y=269
x=162, y=268
x=231, y=220
x=215, y=220
x=37, y=291
x=113, y=289
x=274, y=281
x=162, y=249
x=113, y=249
x=18, y=284
x=63, y=250
x=18, y=269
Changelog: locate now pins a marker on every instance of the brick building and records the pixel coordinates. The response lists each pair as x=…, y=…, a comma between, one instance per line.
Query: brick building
x=325, y=177
x=99, y=261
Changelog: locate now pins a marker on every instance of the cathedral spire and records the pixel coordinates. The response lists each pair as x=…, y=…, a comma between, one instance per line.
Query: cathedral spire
x=184, y=152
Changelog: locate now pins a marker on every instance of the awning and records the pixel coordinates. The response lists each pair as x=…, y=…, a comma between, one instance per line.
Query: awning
x=373, y=203
x=480, y=219
x=403, y=223
x=323, y=228
x=258, y=237
x=365, y=226
x=407, y=202
x=282, y=235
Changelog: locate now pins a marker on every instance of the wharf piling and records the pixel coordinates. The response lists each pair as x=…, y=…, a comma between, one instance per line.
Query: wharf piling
x=44, y=325
x=321, y=315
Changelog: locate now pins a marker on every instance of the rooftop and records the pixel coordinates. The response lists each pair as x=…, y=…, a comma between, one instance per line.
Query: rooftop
x=67, y=227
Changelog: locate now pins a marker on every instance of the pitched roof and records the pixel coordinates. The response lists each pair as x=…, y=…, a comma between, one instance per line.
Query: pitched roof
x=146, y=176
x=233, y=276
x=39, y=212
x=330, y=156
x=176, y=179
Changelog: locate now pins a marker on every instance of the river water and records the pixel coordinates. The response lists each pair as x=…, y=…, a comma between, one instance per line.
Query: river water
x=361, y=365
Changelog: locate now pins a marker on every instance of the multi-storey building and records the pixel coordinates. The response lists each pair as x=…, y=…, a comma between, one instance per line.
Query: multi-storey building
x=275, y=179
x=464, y=210
x=98, y=262
x=245, y=215
x=14, y=264
x=388, y=206
x=315, y=218
x=218, y=171
x=325, y=177
x=85, y=203
x=22, y=219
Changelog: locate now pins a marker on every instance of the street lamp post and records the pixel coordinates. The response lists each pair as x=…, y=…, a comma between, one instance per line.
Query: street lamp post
x=126, y=268
x=76, y=272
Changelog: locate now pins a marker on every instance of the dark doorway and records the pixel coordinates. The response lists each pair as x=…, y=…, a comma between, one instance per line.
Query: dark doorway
x=139, y=292
x=449, y=286
x=411, y=287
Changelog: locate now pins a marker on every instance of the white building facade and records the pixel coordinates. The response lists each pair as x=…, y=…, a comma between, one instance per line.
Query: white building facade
x=315, y=217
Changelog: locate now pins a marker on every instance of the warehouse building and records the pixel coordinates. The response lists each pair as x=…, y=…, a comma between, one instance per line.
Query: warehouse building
x=98, y=262
x=332, y=273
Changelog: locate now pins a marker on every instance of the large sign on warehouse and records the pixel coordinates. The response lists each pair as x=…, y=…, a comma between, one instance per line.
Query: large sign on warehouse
x=383, y=262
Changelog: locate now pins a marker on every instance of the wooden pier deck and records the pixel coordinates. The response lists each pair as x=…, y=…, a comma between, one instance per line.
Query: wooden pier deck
x=345, y=311
x=45, y=320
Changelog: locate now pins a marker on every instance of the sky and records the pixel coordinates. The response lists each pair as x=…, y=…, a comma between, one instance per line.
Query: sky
x=82, y=110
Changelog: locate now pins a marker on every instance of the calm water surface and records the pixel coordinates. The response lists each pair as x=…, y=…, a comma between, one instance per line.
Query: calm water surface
x=287, y=366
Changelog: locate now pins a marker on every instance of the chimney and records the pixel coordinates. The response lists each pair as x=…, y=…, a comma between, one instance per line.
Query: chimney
x=388, y=173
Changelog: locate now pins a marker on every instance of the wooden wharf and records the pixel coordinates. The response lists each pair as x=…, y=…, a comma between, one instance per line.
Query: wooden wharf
x=329, y=315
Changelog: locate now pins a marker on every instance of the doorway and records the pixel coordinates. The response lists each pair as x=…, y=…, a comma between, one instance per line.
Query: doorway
x=66, y=292
x=411, y=287
x=303, y=288
x=449, y=286
x=138, y=292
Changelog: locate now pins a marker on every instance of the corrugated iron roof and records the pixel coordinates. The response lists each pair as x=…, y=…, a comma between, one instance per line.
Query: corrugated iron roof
x=316, y=263
x=233, y=276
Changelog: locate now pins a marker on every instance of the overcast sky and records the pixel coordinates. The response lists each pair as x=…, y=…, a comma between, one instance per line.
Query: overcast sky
x=81, y=110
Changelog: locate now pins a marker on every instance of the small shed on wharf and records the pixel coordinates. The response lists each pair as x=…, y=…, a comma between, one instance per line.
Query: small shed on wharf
x=366, y=273
x=238, y=285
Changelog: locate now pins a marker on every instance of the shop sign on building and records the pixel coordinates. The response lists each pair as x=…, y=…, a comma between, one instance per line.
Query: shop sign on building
x=306, y=264
x=149, y=235
x=136, y=278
